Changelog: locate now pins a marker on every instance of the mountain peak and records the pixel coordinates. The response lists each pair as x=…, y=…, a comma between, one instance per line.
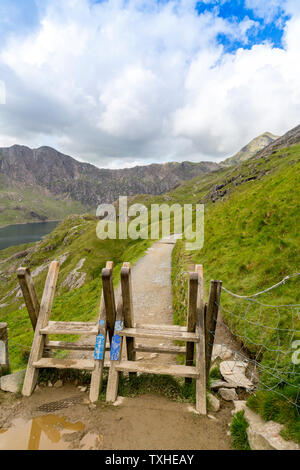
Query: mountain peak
x=255, y=145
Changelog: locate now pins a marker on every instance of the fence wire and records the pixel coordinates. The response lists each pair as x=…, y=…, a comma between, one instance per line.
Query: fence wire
x=264, y=340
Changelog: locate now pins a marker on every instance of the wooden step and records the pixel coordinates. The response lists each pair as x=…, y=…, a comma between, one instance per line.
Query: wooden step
x=159, y=334
x=81, y=364
x=146, y=368
x=69, y=328
x=69, y=346
x=160, y=349
x=160, y=327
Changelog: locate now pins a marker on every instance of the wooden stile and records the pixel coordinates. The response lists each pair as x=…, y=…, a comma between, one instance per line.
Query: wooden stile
x=4, y=353
x=44, y=327
x=126, y=288
x=97, y=375
x=200, y=346
x=39, y=340
x=109, y=300
x=212, y=311
x=191, y=319
x=29, y=294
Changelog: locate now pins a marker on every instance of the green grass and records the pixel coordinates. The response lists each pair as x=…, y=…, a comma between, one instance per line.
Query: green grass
x=238, y=431
x=279, y=408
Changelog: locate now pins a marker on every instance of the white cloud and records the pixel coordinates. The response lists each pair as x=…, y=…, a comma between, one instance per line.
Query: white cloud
x=124, y=82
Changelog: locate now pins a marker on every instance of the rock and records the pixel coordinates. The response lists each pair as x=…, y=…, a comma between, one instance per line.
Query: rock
x=221, y=384
x=76, y=278
x=228, y=394
x=82, y=388
x=263, y=435
x=50, y=384
x=92, y=406
x=13, y=382
x=58, y=384
x=214, y=402
x=221, y=351
x=234, y=372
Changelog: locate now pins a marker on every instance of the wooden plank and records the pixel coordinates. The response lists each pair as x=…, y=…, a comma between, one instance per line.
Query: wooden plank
x=173, y=335
x=191, y=317
x=200, y=346
x=113, y=377
x=160, y=327
x=43, y=318
x=212, y=312
x=29, y=294
x=109, y=300
x=68, y=346
x=128, y=315
x=4, y=353
x=81, y=364
x=69, y=328
x=97, y=375
x=160, y=349
x=146, y=368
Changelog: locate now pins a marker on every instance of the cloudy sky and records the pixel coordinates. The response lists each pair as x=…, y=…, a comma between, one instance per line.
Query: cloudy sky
x=124, y=82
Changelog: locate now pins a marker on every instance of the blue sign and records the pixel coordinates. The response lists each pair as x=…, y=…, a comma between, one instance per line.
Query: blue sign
x=99, y=348
x=119, y=324
x=115, y=348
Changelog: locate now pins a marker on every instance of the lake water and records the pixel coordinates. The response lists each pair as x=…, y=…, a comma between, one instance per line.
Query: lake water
x=13, y=235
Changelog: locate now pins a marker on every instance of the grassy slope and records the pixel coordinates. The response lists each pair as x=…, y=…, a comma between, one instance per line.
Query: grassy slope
x=17, y=203
x=251, y=243
x=77, y=236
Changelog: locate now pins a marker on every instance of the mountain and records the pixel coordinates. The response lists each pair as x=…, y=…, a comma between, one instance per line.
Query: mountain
x=290, y=138
x=31, y=179
x=251, y=149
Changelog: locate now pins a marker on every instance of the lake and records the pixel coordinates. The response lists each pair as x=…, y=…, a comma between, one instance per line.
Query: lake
x=13, y=235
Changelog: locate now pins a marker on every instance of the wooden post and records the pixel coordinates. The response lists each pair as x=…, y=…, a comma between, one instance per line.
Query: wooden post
x=212, y=311
x=4, y=354
x=200, y=346
x=29, y=294
x=109, y=300
x=128, y=308
x=97, y=374
x=191, y=320
x=113, y=377
x=38, y=339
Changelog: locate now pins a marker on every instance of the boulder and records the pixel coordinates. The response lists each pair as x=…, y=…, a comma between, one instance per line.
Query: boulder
x=13, y=382
x=221, y=351
x=234, y=373
x=214, y=402
x=263, y=435
x=228, y=394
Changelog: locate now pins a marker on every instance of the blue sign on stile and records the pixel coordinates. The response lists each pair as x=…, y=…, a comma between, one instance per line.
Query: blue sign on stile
x=99, y=348
x=115, y=348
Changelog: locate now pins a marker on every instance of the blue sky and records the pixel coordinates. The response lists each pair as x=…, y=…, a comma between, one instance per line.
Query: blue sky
x=23, y=16
x=124, y=82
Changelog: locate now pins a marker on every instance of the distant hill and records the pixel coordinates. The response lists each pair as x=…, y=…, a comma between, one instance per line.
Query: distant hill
x=251, y=149
x=41, y=184
x=292, y=137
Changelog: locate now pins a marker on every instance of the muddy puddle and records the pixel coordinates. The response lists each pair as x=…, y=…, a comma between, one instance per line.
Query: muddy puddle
x=49, y=432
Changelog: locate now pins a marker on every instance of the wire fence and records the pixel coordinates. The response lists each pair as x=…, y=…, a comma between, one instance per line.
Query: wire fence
x=264, y=343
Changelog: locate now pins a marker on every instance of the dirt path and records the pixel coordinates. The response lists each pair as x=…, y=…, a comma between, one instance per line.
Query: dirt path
x=62, y=418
